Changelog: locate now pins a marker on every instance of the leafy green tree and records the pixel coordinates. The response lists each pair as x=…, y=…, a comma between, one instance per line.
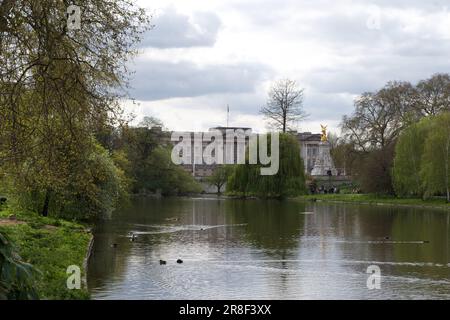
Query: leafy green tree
x=289, y=181
x=160, y=174
x=87, y=184
x=57, y=87
x=408, y=159
x=220, y=177
x=435, y=170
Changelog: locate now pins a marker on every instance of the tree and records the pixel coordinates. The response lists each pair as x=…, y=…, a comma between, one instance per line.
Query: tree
x=374, y=172
x=150, y=122
x=284, y=105
x=408, y=159
x=373, y=129
x=289, y=181
x=346, y=157
x=220, y=177
x=433, y=95
x=378, y=117
x=160, y=174
x=435, y=170
x=58, y=86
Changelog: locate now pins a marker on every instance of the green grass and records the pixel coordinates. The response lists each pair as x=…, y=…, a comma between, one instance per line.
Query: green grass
x=378, y=200
x=50, y=249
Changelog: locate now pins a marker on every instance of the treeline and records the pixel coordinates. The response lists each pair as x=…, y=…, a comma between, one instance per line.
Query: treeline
x=396, y=140
x=144, y=154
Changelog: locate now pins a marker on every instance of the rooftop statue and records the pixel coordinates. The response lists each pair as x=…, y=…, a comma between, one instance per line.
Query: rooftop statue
x=324, y=134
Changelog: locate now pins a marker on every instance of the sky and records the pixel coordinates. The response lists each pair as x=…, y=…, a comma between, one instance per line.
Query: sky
x=201, y=56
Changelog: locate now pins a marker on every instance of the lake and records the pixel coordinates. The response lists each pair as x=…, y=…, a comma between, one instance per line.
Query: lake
x=256, y=249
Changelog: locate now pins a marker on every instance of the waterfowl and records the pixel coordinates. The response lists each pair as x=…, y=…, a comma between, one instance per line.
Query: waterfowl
x=179, y=261
x=133, y=237
x=387, y=238
x=114, y=245
x=162, y=262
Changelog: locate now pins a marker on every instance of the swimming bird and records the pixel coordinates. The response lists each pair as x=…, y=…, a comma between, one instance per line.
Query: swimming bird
x=162, y=262
x=114, y=245
x=133, y=237
x=179, y=261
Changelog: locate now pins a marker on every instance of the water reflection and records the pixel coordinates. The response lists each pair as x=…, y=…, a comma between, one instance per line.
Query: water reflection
x=235, y=249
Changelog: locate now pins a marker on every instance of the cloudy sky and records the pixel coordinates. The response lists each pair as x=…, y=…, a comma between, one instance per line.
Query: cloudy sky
x=203, y=55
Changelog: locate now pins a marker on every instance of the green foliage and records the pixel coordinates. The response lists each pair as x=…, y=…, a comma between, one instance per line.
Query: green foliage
x=150, y=165
x=374, y=173
x=408, y=157
x=435, y=171
x=289, y=181
x=16, y=276
x=50, y=245
x=160, y=174
x=85, y=185
x=220, y=176
x=422, y=158
x=378, y=200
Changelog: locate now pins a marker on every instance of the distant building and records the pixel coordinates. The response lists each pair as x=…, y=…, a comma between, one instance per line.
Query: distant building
x=310, y=145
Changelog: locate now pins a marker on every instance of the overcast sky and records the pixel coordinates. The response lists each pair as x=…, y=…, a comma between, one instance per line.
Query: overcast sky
x=203, y=55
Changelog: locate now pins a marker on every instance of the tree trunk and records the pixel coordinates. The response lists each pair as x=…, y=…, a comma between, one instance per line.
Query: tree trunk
x=46, y=203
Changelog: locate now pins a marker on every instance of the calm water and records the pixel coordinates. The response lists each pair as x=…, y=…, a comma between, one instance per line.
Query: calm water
x=235, y=249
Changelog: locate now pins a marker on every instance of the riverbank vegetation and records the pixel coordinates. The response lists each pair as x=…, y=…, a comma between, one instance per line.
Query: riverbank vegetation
x=396, y=142
x=38, y=252
x=439, y=203
x=59, y=89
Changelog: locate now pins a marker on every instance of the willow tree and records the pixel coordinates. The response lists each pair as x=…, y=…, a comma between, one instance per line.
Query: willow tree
x=435, y=170
x=408, y=159
x=289, y=181
x=58, y=85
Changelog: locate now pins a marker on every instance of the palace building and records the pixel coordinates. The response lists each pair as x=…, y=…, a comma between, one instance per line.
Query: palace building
x=315, y=151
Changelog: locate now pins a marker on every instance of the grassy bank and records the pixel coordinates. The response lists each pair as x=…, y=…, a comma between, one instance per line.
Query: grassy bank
x=51, y=245
x=378, y=200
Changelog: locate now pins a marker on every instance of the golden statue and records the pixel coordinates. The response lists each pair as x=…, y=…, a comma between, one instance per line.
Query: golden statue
x=324, y=134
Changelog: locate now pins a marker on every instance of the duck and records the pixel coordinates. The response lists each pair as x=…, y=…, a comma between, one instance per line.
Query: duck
x=387, y=238
x=162, y=262
x=179, y=261
x=133, y=237
x=114, y=245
